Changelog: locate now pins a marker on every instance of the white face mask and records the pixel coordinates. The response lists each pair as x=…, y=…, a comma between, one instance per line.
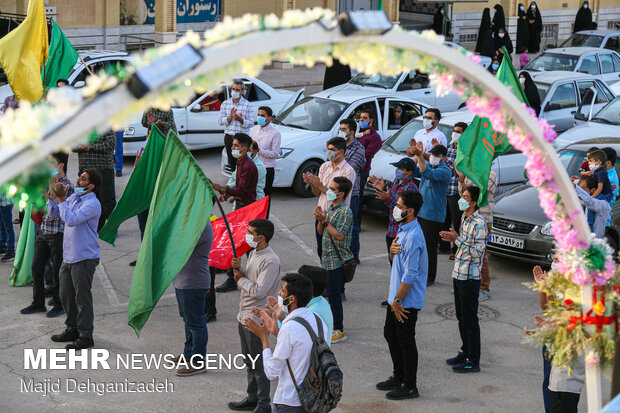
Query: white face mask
x=463, y=204
x=433, y=160
x=236, y=95
x=522, y=80
x=593, y=166
x=501, y=35
x=428, y=124
x=236, y=153
x=455, y=137
x=397, y=214
x=342, y=134
x=281, y=305
x=249, y=239
x=533, y=6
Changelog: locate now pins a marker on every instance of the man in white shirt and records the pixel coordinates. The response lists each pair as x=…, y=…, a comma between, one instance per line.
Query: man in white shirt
x=430, y=131
x=293, y=344
x=268, y=139
x=236, y=116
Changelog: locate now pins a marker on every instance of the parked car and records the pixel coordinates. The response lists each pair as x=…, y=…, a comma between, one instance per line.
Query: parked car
x=96, y=60
x=604, y=123
x=522, y=232
x=601, y=63
x=311, y=122
x=485, y=61
x=562, y=94
x=197, y=122
x=508, y=167
x=605, y=39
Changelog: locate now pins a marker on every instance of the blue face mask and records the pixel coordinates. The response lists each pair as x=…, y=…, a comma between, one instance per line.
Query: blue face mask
x=363, y=124
x=261, y=121
x=399, y=174
x=331, y=195
x=495, y=66
x=55, y=172
x=79, y=191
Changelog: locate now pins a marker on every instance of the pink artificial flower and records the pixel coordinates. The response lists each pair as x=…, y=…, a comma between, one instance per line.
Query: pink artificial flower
x=581, y=276
x=474, y=58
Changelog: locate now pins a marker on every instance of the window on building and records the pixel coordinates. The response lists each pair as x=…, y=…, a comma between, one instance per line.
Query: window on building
x=549, y=31
x=468, y=37
x=612, y=24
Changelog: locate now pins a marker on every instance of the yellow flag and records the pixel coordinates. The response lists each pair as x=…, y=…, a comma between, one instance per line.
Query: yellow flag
x=23, y=52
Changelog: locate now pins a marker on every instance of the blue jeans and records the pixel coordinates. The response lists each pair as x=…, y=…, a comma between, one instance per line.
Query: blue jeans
x=546, y=374
x=192, y=310
x=7, y=233
x=118, y=151
x=355, y=238
x=335, y=285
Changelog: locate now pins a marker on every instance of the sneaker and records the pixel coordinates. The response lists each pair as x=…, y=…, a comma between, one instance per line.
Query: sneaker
x=81, y=343
x=389, y=384
x=211, y=318
x=228, y=285
x=402, y=392
x=243, y=405
x=176, y=359
x=467, y=367
x=190, y=371
x=56, y=311
x=384, y=304
x=459, y=359
x=31, y=309
x=67, y=335
x=484, y=295
x=119, y=173
x=8, y=257
x=338, y=336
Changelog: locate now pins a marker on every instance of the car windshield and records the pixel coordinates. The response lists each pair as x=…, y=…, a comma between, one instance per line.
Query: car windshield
x=312, y=113
x=553, y=61
x=610, y=114
x=583, y=40
x=385, y=82
x=543, y=89
x=399, y=142
x=572, y=161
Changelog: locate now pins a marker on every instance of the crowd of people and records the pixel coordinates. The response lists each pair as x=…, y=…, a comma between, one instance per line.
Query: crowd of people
x=431, y=205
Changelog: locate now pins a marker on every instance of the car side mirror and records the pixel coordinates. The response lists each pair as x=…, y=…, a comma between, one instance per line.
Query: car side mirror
x=551, y=106
x=580, y=116
x=79, y=83
x=526, y=175
x=196, y=108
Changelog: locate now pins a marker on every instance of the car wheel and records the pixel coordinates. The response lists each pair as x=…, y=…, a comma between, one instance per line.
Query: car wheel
x=299, y=186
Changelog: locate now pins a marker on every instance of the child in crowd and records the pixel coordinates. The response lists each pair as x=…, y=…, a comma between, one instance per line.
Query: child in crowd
x=597, y=162
x=584, y=170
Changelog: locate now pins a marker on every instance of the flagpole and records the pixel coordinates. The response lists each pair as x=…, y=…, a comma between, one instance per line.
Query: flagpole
x=232, y=242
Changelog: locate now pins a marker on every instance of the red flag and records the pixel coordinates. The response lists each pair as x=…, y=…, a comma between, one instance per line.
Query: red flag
x=221, y=251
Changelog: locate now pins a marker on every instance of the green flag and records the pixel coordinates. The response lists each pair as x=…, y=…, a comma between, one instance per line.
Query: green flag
x=62, y=58
x=22, y=266
x=179, y=213
x=139, y=190
x=480, y=143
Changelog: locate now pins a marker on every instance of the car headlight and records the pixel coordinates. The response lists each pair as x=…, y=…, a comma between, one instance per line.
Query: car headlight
x=130, y=131
x=546, y=229
x=284, y=152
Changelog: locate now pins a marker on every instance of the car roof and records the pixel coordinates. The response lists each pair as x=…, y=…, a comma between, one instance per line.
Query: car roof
x=575, y=51
x=601, y=32
x=584, y=145
x=450, y=118
x=97, y=54
x=352, y=95
x=553, y=76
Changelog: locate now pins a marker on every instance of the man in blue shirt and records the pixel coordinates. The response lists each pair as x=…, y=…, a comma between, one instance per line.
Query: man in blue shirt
x=612, y=156
x=80, y=256
x=434, y=182
x=405, y=298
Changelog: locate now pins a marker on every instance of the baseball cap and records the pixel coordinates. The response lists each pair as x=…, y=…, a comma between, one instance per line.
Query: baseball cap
x=405, y=163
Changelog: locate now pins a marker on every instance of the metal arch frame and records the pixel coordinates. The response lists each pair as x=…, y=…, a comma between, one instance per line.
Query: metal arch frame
x=18, y=158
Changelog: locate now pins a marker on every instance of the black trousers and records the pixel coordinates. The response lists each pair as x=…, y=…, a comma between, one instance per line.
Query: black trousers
x=232, y=161
x=107, y=194
x=455, y=214
x=271, y=173
x=403, y=349
x=466, y=305
x=258, y=384
x=210, y=299
x=563, y=402
x=431, y=236
x=142, y=218
x=46, y=248
x=76, y=281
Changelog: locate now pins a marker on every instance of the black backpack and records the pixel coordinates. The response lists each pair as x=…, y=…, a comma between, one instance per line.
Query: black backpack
x=321, y=389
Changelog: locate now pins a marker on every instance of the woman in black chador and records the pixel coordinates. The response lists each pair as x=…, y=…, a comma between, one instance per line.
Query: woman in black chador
x=535, y=27
x=438, y=21
x=583, y=20
x=484, y=44
x=523, y=30
x=499, y=20
x=531, y=91
x=502, y=39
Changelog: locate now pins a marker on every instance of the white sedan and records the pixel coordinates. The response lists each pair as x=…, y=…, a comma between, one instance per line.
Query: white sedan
x=197, y=122
x=310, y=123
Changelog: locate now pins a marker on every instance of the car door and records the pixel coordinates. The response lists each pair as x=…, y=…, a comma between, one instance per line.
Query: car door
x=613, y=43
x=589, y=65
x=609, y=74
x=408, y=110
x=587, y=104
x=559, y=105
x=416, y=86
x=363, y=104
x=200, y=128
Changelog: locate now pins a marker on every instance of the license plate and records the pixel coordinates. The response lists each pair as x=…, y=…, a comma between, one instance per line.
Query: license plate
x=508, y=241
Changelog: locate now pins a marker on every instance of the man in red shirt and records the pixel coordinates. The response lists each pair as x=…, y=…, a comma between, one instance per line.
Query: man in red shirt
x=372, y=143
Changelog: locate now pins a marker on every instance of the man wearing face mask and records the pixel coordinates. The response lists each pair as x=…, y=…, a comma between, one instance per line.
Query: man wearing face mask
x=335, y=226
x=372, y=143
x=260, y=167
x=237, y=117
x=268, y=139
x=430, y=131
x=356, y=157
x=471, y=243
x=434, y=181
x=80, y=256
x=453, y=189
x=258, y=282
x=405, y=298
x=335, y=166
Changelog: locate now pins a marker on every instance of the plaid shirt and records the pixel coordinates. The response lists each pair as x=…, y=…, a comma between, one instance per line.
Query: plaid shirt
x=165, y=116
x=395, y=191
x=52, y=224
x=5, y=199
x=487, y=211
x=244, y=109
x=471, y=244
x=453, y=187
x=101, y=153
x=341, y=218
x=355, y=155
